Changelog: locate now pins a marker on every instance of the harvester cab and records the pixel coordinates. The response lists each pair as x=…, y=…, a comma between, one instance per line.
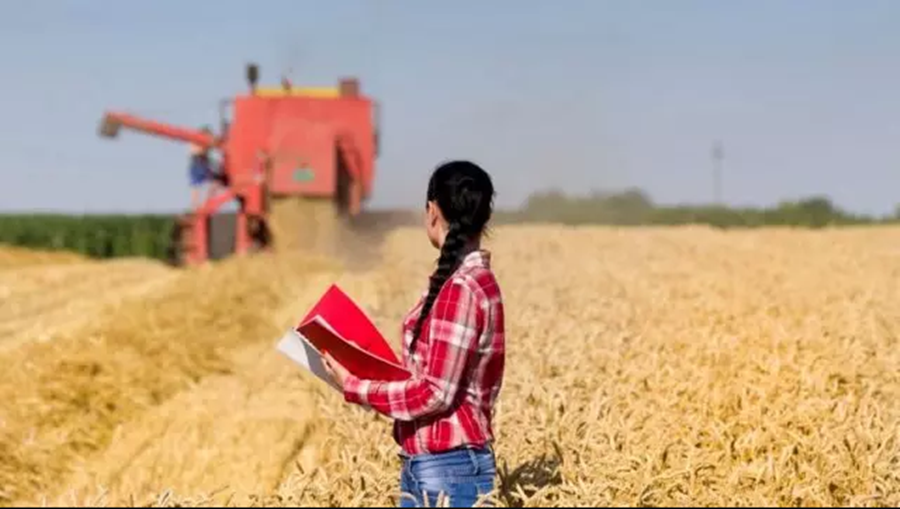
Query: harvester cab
x=317, y=145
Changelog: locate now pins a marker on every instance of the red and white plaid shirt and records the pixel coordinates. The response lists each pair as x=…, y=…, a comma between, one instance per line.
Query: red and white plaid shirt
x=457, y=367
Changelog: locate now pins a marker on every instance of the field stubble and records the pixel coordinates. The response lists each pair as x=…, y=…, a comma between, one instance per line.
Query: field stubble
x=646, y=367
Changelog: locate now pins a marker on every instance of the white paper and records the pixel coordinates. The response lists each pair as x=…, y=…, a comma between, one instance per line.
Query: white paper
x=298, y=349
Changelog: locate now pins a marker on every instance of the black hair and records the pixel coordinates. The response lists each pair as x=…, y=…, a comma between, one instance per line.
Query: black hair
x=464, y=193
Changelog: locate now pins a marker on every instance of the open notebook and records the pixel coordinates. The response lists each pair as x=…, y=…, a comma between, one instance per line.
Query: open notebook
x=336, y=325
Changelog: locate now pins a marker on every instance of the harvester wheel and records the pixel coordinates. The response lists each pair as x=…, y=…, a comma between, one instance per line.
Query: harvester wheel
x=260, y=233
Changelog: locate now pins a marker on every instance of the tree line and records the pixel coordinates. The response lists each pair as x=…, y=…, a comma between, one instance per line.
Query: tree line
x=633, y=207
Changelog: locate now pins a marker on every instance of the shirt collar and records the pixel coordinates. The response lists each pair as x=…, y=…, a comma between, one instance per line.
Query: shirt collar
x=478, y=258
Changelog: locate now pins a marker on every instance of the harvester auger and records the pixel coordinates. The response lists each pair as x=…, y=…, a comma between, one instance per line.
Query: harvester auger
x=282, y=142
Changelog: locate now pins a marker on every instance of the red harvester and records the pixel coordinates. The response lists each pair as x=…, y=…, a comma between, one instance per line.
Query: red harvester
x=280, y=142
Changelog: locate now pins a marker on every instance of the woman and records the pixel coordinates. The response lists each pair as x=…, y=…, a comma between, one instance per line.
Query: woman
x=454, y=345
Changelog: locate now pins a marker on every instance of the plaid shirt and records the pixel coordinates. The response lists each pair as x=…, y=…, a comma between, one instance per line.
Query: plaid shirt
x=457, y=367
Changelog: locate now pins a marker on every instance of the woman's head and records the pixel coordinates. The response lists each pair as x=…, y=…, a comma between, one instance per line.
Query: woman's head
x=460, y=198
x=460, y=201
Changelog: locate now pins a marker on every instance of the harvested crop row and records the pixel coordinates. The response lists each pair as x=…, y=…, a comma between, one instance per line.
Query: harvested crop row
x=64, y=400
x=242, y=431
x=44, y=303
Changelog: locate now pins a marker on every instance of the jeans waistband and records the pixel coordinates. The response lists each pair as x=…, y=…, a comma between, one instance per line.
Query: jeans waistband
x=487, y=448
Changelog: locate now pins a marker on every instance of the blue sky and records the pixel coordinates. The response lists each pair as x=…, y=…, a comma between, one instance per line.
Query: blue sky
x=572, y=94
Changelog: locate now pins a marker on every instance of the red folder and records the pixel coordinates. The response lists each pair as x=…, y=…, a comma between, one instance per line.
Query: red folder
x=337, y=326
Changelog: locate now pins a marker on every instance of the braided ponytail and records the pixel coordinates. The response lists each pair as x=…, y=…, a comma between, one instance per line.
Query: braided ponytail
x=451, y=255
x=464, y=193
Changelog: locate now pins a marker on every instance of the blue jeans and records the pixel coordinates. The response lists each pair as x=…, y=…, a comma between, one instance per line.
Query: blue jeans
x=455, y=479
x=199, y=171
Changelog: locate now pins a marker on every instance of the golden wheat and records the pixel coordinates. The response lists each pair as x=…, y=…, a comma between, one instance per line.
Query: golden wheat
x=42, y=302
x=678, y=367
x=304, y=224
x=16, y=257
x=64, y=399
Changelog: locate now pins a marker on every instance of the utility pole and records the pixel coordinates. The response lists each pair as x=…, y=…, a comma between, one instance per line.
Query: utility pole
x=718, y=158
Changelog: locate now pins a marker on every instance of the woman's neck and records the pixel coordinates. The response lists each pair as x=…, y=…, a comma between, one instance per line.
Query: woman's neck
x=471, y=246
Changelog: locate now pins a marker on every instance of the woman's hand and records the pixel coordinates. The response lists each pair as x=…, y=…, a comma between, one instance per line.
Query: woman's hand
x=337, y=372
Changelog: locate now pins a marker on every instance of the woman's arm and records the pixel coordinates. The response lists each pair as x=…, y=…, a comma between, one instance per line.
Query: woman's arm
x=454, y=333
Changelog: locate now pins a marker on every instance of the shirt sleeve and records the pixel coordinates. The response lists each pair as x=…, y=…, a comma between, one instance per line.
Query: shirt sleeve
x=454, y=332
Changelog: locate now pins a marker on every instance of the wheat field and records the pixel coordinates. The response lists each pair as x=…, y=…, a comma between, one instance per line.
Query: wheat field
x=670, y=366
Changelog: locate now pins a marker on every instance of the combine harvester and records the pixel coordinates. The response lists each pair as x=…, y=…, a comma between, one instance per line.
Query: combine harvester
x=282, y=144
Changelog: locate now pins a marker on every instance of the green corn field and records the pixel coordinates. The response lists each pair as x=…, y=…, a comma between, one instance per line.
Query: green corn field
x=96, y=236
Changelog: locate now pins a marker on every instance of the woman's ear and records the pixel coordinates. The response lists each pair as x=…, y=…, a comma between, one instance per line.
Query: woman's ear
x=434, y=216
